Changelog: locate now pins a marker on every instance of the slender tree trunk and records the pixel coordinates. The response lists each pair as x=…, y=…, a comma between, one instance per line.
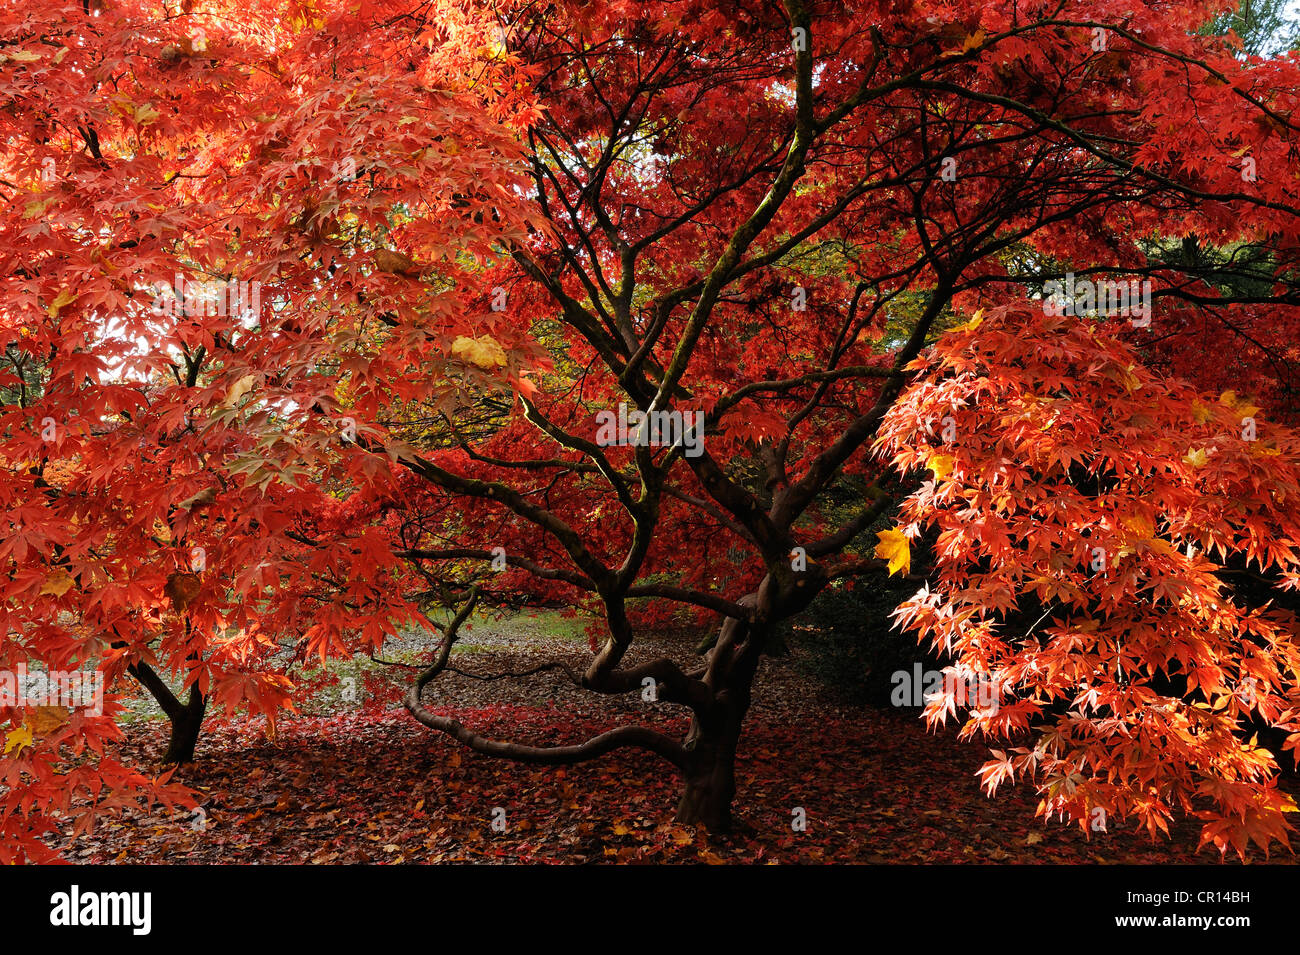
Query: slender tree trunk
x=186, y=718
x=187, y=722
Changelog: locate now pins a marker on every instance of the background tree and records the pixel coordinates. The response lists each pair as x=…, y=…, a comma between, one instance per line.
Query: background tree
x=169, y=309
x=1264, y=27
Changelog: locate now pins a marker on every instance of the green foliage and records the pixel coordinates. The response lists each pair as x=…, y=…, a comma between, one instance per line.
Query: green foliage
x=20, y=377
x=1265, y=27
x=847, y=640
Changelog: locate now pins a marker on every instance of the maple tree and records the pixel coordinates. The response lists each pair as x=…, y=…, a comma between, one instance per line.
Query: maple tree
x=169, y=184
x=811, y=239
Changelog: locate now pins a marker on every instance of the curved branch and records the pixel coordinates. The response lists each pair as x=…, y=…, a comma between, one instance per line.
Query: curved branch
x=473, y=553
x=638, y=736
x=685, y=595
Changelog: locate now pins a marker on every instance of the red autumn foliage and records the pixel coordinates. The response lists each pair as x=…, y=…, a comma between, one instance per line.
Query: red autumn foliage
x=440, y=244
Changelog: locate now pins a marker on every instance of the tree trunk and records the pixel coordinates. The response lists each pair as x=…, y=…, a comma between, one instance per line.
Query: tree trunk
x=186, y=718
x=710, y=776
x=186, y=722
x=710, y=773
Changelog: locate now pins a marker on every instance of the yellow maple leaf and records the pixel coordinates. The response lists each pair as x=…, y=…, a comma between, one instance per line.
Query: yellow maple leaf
x=1196, y=457
x=1160, y=546
x=36, y=209
x=146, y=114
x=940, y=464
x=1201, y=413
x=975, y=320
x=1240, y=406
x=484, y=352
x=894, y=548
x=57, y=584
x=63, y=298
x=17, y=739
x=1141, y=525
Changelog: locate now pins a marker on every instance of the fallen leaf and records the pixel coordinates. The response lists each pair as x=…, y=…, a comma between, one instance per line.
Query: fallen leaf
x=201, y=499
